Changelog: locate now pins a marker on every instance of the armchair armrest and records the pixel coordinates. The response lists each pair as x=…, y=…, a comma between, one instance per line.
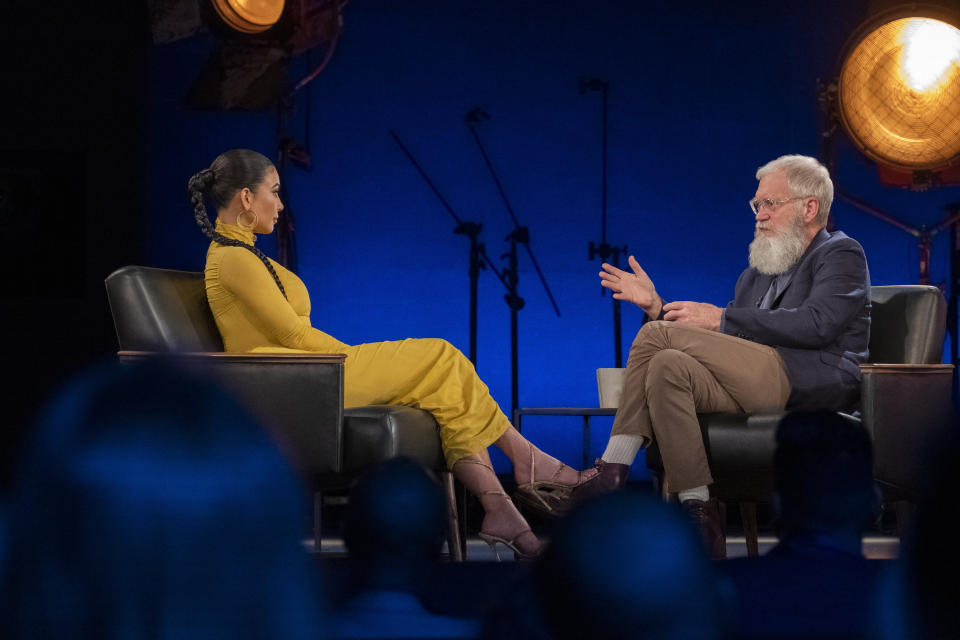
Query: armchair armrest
x=297, y=397
x=907, y=409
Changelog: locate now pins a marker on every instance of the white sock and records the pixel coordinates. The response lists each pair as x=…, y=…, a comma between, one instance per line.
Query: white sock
x=622, y=449
x=701, y=493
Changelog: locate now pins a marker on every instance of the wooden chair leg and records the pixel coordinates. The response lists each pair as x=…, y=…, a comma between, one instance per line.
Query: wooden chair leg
x=317, y=519
x=748, y=517
x=454, y=544
x=659, y=487
x=722, y=509
x=463, y=504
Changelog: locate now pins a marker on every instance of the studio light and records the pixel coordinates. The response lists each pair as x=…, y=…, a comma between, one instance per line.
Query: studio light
x=249, y=16
x=898, y=92
x=254, y=44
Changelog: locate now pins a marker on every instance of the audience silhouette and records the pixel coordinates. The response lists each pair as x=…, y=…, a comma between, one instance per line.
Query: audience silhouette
x=921, y=595
x=815, y=583
x=148, y=505
x=628, y=566
x=394, y=531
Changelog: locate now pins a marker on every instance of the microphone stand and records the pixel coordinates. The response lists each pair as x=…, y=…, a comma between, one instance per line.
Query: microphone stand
x=604, y=250
x=478, y=253
x=519, y=235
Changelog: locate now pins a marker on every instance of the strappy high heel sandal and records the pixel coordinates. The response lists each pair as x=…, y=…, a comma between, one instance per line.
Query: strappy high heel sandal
x=483, y=482
x=493, y=540
x=549, y=497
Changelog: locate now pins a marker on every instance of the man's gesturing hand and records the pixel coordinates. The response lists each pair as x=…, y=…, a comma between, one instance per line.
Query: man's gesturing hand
x=695, y=314
x=633, y=287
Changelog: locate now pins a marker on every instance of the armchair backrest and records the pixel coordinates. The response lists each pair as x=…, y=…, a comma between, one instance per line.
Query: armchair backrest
x=907, y=324
x=161, y=310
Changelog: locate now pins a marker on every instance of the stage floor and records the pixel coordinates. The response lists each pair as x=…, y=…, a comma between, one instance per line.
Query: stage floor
x=875, y=547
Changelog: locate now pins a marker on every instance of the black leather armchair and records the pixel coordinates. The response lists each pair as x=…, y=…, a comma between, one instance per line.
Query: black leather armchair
x=905, y=405
x=160, y=313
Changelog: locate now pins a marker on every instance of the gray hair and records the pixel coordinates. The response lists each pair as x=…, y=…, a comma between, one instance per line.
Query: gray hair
x=805, y=177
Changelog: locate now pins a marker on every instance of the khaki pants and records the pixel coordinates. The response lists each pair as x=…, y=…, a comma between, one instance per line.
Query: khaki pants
x=676, y=371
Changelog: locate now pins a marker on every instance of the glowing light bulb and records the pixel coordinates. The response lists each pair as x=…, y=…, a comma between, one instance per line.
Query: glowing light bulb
x=930, y=49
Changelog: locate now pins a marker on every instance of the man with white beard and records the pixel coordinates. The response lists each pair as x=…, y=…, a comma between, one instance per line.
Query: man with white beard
x=792, y=337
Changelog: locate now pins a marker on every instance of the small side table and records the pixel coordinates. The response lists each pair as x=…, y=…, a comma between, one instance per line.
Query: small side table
x=586, y=412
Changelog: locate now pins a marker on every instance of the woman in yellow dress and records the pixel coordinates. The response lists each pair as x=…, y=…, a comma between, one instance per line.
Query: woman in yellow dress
x=260, y=306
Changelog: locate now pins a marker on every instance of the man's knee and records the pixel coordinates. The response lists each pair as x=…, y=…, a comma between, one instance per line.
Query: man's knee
x=651, y=331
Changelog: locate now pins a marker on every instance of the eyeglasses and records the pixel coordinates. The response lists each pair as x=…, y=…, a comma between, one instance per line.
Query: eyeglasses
x=757, y=205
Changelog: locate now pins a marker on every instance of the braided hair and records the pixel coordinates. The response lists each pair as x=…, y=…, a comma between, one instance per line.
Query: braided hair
x=230, y=172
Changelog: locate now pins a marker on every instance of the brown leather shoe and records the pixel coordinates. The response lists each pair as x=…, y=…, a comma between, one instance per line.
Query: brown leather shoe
x=610, y=477
x=555, y=501
x=706, y=517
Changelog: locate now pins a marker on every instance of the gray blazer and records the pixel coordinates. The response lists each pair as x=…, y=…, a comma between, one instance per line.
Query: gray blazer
x=820, y=322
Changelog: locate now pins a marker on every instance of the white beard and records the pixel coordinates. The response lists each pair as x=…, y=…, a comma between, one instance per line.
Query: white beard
x=775, y=254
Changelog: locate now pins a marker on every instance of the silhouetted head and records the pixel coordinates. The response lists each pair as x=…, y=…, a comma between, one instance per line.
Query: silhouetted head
x=923, y=600
x=149, y=505
x=396, y=524
x=823, y=473
x=624, y=566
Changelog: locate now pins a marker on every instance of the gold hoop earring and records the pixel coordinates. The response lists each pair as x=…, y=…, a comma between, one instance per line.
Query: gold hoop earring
x=252, y=225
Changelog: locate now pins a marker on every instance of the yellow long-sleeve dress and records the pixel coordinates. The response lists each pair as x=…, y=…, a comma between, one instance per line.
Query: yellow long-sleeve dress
x=430, y=374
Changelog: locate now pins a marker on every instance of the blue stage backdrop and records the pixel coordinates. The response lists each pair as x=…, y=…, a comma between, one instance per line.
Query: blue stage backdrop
x=701, y=94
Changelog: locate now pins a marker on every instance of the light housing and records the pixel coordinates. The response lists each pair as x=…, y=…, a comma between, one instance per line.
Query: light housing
x=249, y=16
x=898, y=91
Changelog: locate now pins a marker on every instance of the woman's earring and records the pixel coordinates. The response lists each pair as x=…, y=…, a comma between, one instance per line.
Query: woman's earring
x=253, y=224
